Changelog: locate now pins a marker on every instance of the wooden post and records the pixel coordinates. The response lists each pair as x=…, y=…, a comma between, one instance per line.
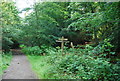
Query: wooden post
x=62, y=40
x=72, y=44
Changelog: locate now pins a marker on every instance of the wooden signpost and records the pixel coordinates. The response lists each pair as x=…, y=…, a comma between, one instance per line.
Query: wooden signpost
x=72, y=45
x=62, y=40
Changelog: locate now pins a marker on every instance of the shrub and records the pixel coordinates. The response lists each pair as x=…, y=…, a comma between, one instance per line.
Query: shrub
x=22, y=46
x=32, y=50
x=76, y=65
x=6, y=42
x=5, y=59
x=36, y=50
x=104, y=49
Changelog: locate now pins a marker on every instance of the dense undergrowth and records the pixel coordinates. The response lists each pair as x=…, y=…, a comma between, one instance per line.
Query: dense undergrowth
x=5, y=61
x=80, y=23
x=88, y=63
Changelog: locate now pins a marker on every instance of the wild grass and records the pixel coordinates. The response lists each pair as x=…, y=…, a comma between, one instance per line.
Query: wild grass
x=5, y=59
x=73, y=64
x=39, y=65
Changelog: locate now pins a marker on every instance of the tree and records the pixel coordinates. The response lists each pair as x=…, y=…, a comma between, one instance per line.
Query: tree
x=9, y=19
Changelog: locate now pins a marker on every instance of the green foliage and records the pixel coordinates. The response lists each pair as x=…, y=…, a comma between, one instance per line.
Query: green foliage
x=32, y=50
x=6, y=43
x=8, y=8
x=5, y=59
x=79, y=22
x=22, y=46
x=104, y=49
x=48, y=21
x=7, y=38
x=85, y=67
x=36, y=50
x=75, y=64
x=45, y=25
x=9, y=19
x=72, y=20
x=94, y=22
x=39, y=65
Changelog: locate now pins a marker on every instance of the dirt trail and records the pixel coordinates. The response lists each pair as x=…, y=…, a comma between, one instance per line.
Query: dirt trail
x=19, y=68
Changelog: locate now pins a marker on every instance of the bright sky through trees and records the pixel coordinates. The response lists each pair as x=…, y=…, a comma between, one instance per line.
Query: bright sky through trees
x=21, y=4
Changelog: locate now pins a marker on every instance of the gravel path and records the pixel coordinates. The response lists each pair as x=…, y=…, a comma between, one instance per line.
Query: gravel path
x=19, y=68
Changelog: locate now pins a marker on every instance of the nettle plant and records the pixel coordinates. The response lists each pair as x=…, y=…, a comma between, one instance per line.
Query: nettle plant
x=81, y=66
x=103, y=49
x=31, y=50
x=36, y=50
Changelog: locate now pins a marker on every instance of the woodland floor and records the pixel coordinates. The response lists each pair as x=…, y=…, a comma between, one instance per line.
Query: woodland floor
x=19, y=68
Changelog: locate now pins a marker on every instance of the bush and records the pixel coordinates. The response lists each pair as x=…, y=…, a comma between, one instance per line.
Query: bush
x=6, y=42
x=76, y=64
x=36, y=50
x=32, y=50
x=5, y=59
x=104, y=49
